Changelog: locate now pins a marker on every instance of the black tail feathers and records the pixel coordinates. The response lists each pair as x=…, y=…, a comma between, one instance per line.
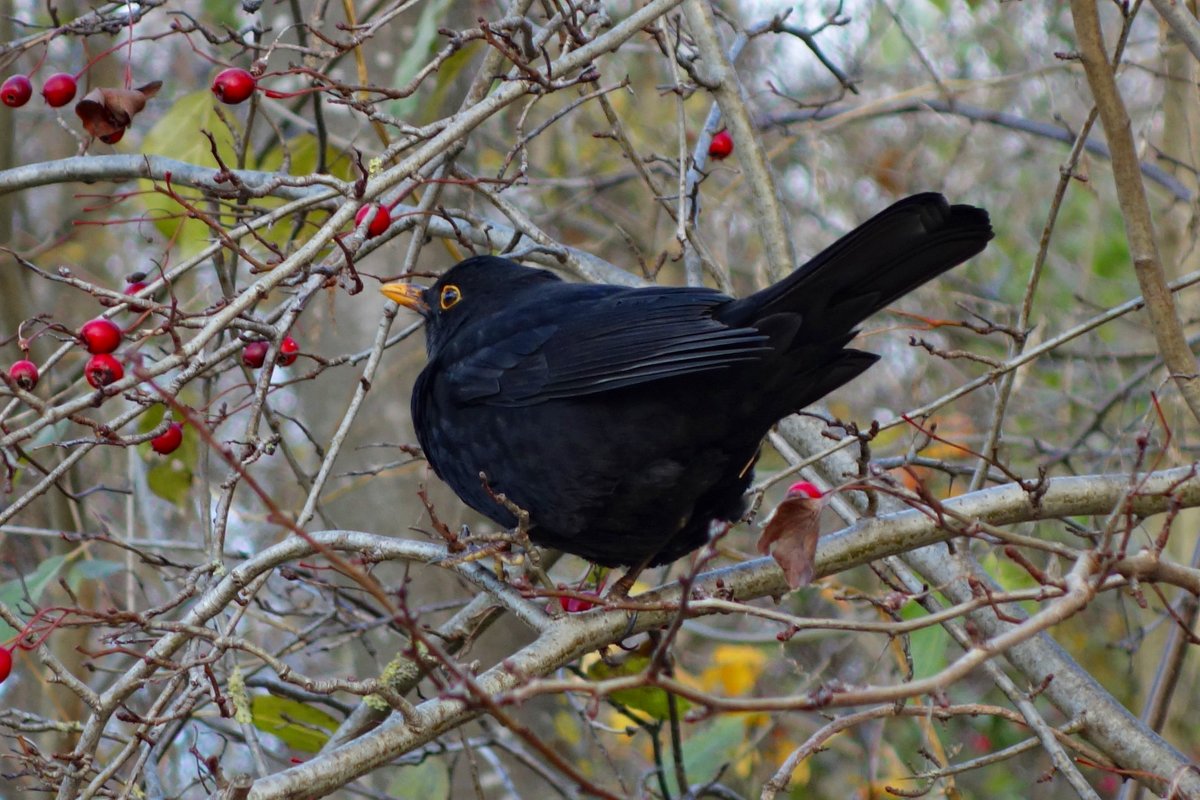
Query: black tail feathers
x=889, y=255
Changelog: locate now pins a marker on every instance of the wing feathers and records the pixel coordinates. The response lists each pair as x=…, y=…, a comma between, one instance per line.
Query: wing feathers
x=628, y=338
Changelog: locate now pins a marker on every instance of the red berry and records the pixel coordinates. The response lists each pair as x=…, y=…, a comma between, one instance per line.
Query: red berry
x=287, y=351
x=233, y=86
x=16, y=91
x=379, y=223
x=102, y=369
x=100, y=336
x=574, y=605
x=980, y=742
x=58, y=90
x=113, y=138
x=169, y=440
x=720, y=146
x=24, y=373
x=5, y=663
x=804, y=487
x=255, y=354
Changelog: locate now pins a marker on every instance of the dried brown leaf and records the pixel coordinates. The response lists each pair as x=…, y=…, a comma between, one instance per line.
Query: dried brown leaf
x=105, y=113
x=791, y=532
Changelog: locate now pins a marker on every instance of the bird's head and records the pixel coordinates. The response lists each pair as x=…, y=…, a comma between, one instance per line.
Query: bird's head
x=469, y=291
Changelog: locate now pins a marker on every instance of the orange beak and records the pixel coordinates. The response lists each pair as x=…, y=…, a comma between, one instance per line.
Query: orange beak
x=406, y=294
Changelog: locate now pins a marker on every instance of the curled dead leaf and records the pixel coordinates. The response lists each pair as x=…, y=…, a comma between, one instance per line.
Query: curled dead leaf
x=106, y=113
x=791, y=532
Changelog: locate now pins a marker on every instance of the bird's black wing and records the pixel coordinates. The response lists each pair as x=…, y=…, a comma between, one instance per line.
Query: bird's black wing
x=593, y=344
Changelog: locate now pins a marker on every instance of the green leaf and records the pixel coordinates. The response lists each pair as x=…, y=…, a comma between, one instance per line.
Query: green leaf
x=13, y=592
x=650, y=700
x=446, y=74
x=152, y=418
x=300, y=726
x=91, y=569
x=425, y=41
x=301, y=152
x=50, y=435
x=179, y=135
x=709, y=749
x=429, y=780
x=224, y=13
x=171, y=478
x=927, y=645
x=1112, y=254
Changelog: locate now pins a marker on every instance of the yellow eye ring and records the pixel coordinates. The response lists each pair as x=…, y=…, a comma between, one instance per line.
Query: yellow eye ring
x=450, y=297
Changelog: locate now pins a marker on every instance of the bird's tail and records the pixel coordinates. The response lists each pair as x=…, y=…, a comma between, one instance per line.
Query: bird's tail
x=875, y=264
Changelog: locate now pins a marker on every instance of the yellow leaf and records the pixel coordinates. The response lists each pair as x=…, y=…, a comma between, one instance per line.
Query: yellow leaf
x=650, y=700
x=300, y=726
x=780, y=748
x=567, y=727
x=735, y=669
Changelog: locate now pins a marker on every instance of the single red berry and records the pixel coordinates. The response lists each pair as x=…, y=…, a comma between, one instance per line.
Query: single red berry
x=721, y=145
x=5, y=663
x=169, y=440
x=233, y=86
x=804, y=487
x=59, y=89
x=135, y=287
x=379, y=223
x=574, y=605
x=16, y=91
x=102, y=369
x=24, y=373
x=254, y=355
x=100, y=336
x=113, y=138
x=287, y=351
x=979, y=742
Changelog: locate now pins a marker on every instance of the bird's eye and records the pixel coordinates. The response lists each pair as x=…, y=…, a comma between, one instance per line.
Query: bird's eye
x=450, y=297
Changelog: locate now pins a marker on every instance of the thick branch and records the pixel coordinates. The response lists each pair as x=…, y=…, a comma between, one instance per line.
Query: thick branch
x=1181, y=21
x=568, y=638
x=1135, y=208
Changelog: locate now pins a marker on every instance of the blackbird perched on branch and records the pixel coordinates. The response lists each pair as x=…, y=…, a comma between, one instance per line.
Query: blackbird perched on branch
x=626, y=421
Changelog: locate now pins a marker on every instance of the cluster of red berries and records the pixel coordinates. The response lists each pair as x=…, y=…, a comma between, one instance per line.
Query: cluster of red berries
x=58, y=90
x=100, y=337
x=254, y=355
x=231, y=86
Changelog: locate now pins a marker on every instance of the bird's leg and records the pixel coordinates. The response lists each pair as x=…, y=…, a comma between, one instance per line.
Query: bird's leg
x=620, y=589
x=533, y=554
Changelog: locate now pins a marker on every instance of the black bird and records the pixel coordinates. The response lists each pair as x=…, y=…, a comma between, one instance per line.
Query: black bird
x=627, y=421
